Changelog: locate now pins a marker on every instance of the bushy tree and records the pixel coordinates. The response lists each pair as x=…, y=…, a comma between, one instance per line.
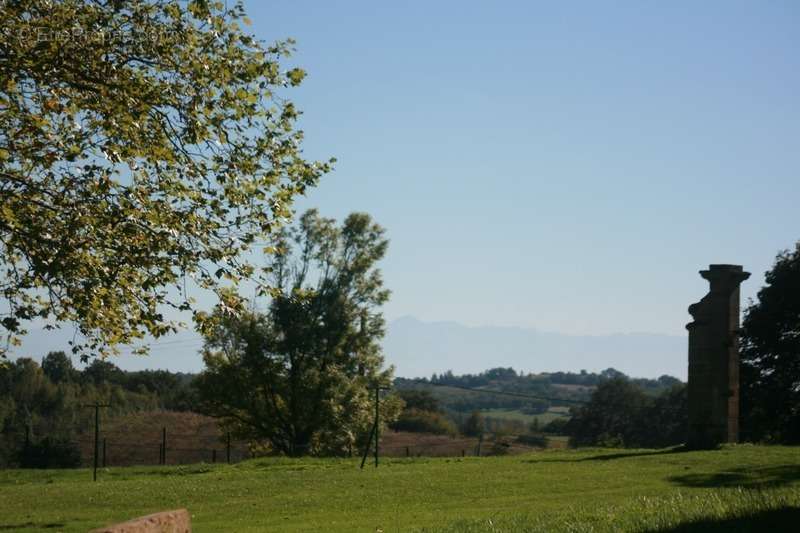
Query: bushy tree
x=99, y=372
x=609, y=417
x=423, y=421
x=145, y=146
x=557, y=426
x=770, y=356
x=474, y=425
x=620, y=414
x=665, y=419
x=299, y=375
x=58, y=367
x=421, y=400
x=422, y=414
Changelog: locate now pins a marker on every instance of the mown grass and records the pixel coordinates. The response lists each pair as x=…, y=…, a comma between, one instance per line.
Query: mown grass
x=589, y=490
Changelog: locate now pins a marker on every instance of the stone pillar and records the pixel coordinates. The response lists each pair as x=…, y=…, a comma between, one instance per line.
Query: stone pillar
x=714, y=360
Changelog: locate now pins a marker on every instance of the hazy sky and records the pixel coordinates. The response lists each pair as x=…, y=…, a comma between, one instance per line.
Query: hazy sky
x=568, y=166
x=565, y=166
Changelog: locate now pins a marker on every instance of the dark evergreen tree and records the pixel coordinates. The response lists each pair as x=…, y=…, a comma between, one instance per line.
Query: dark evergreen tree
x=770, y=356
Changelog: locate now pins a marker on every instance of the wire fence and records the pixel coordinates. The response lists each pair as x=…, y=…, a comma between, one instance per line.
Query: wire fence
x=160, y=447
x=142, y=442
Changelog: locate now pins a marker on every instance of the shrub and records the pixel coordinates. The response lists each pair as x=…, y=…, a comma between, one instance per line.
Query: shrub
x=50, y=453
x=533, y=440
x=417, y=421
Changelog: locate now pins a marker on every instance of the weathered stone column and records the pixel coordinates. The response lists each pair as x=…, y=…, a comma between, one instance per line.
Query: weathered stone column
x=714, y=360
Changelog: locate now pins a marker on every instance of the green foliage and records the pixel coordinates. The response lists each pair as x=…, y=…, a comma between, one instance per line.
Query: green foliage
x=501, y=444
x=474, y=425
x=57, y=366
x=144, y=145
x=557, y=426
x=420, y=400
x=620, y=414
x=533, y=440
x=422, y=414
x=50, y=452
x=47, y=412
x=569, y=386
x=770, y=355
x=299, y=375
x=424, y=421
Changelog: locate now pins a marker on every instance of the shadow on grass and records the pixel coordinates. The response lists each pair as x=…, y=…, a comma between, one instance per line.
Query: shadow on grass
x=613, y=456
x=776, y=520
x=14, y=527
x=768, y=476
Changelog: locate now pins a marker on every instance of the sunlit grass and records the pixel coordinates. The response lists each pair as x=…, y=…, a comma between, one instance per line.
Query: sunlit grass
x=590, y=490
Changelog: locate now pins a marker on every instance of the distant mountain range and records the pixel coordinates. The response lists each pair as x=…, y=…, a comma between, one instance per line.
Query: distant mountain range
x=418, y=349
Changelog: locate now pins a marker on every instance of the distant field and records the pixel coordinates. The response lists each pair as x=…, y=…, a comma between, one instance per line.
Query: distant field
x=750, y=487
x=513, y=414
x=135, y=439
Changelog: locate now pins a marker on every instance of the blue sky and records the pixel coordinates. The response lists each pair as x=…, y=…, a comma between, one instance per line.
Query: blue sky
x=564, y=166
x=567, y=166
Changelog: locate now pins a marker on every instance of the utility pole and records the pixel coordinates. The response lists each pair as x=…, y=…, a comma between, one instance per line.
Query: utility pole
x=96, y=406
x=377, y=421
x=375, y=431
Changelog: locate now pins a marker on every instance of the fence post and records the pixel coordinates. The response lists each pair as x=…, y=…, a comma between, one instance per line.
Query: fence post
x=104, y=452
x=96, y=406
x=164, y=445
x=480, y=441
x=408, y=452
x=214, y=456
x=228, y=448
x=463, y=453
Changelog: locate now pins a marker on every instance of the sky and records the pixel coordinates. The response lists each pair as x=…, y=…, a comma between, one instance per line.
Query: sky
x=562, y=166
x=565, y=166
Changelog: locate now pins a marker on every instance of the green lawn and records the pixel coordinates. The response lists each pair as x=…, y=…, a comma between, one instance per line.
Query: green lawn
x=591, y=490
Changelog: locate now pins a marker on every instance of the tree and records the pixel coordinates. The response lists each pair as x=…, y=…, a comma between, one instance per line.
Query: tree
x=609, y=419
x=422, y=414
x=300, y=375
x=770, y=355
x=665, y=419
x=58, y=367
x=146, y=146
x=100, y=372
x=474, y=425
x=621, y=414
x=421, y=400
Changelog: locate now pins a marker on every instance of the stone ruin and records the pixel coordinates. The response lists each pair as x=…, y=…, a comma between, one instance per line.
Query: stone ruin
x=714, y=360
x=177, y=521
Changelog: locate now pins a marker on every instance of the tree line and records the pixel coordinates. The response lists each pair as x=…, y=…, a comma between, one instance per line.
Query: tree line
x=554, y=388
x=43, y=407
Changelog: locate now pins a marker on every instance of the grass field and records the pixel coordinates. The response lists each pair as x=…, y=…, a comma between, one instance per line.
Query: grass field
x=590, y=490
x=514, y=414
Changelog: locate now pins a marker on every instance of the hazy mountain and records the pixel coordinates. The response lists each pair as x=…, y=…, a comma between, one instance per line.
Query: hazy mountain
x=419, y=349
